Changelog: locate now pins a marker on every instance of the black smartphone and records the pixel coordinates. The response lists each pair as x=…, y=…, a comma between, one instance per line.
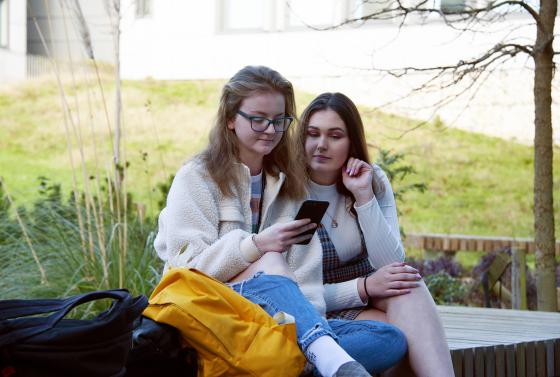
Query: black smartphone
x=314, y=210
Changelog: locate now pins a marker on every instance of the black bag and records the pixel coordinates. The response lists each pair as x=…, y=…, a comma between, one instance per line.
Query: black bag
x=157, y=351
x=53, y=346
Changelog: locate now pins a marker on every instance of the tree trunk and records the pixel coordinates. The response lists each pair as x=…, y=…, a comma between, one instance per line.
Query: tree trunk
x=543, y=200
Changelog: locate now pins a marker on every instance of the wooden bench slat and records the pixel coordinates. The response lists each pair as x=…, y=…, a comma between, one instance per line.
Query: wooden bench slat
x=549, y=345
x=468, y=363
x=457, y=360
x=530, y=359
x=557, y=356
x=521, y=365
x=490, y=361
x=500, y=361
x=479, y=361
x=510, y=361
x=540, y=359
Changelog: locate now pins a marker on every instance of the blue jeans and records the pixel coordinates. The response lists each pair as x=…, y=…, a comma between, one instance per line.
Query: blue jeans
x=375, y=345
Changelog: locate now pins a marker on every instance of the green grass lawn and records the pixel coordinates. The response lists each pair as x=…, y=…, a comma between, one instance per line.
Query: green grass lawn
x=476, y=184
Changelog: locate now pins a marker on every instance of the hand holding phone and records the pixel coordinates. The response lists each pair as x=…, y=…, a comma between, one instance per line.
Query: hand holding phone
x=280, y=236
x=313, y=210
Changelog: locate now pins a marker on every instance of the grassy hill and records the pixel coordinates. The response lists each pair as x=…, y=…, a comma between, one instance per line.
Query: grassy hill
x=476, y=184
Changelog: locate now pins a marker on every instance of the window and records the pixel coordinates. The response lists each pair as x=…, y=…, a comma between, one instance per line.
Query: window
x=143, y=8
x=317, y=13
x=278, y=15
x=452, y=6
x=361, y=8
x=244, y=15
x=3, y=23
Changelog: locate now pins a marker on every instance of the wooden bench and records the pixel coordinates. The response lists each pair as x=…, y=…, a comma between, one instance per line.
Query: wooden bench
x=502, y=342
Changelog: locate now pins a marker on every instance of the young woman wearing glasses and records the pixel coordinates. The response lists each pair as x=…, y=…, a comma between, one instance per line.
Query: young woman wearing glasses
x=230, y=213
x=360, y=232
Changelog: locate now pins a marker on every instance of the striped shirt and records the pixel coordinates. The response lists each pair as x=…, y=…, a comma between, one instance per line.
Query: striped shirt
x=256, y=194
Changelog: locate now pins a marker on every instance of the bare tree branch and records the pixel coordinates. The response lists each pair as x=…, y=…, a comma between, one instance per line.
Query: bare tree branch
x=397, y=9
x=83, y=28
x=464, y=67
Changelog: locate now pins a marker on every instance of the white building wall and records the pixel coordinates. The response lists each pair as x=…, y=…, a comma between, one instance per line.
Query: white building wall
x=183, y=40
x=62, y=30
x=12, y=57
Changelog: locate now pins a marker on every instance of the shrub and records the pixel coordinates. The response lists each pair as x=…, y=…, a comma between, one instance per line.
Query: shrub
x=82, y=245
x=443, y=279
x=446, y=289
x=392, y=165
x=427, y=267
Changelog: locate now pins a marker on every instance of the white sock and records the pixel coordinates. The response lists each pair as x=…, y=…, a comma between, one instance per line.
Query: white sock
x=326, y=355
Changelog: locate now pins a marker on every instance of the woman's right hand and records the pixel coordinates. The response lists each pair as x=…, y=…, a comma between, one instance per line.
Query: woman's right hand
x=280, y=236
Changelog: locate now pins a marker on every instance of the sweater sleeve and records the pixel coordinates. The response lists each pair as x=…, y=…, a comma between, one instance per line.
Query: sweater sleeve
x=380, y=226
x=189, y=226
x=339, y=296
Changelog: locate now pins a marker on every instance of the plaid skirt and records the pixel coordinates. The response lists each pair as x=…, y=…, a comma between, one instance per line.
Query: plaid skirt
x=336, y=271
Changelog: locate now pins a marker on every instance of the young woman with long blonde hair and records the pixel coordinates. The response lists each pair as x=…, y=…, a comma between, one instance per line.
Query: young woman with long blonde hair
x=230, y=213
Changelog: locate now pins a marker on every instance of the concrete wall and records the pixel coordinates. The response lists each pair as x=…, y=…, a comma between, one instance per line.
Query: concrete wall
x=185, y=40
x=63, y=31
x=12, y=57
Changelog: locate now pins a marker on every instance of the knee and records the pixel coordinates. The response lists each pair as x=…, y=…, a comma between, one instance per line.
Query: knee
x=393, y=342
x=400, y=344
x=396, y=344
x=376, y=345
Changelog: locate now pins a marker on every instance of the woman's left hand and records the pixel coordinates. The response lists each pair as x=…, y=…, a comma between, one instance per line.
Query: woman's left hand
x=394, y=279
x=357, y=177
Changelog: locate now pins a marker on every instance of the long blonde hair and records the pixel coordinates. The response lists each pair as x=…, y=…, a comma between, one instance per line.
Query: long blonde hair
x=223, y=151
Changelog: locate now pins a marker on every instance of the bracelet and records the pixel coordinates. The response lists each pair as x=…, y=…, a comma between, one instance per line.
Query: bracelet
x=255, y=243
x=365, y=286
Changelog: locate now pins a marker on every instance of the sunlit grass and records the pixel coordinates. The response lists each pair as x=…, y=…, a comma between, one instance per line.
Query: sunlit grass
x=476, y=184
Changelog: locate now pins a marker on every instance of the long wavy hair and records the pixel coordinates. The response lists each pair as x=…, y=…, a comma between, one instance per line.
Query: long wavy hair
x=347, y=111
x=222, y=151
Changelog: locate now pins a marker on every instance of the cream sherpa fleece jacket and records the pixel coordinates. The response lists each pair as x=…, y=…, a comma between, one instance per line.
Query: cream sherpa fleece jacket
x=203, y=229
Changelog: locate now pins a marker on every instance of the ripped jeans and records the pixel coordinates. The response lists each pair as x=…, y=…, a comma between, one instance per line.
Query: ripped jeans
x=375, y=345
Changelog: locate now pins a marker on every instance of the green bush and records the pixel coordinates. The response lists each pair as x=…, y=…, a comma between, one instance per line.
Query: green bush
x=446, y=289
x=80, y=245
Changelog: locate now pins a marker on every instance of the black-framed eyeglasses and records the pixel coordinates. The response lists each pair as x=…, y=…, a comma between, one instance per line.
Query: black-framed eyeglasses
x=261, y=124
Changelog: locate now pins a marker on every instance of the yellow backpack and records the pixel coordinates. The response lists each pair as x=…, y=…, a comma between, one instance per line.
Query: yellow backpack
x=232, y=336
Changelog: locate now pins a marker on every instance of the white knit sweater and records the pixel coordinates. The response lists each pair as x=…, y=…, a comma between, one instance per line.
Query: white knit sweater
x=203, y=229
x=377, y=221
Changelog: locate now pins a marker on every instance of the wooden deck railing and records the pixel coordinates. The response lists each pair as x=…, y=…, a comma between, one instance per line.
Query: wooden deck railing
x=461, y=242
x=451, y=243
